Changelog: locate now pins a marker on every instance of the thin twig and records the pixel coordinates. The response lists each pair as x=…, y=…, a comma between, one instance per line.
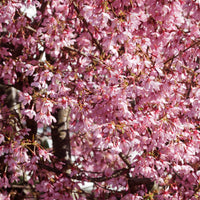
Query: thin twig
x=87, y=25
x=124, y=160
x=175, y=56
x=81, y=177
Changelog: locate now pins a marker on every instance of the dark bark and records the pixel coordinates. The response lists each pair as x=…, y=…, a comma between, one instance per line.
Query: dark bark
x=60, y=135
x=11, y=93
x=11, y=102
x=135, y=183
x=32, y=125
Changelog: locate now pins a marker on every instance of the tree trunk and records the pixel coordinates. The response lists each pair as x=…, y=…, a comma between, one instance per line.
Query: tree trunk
x=60, y=135
x=12, y=102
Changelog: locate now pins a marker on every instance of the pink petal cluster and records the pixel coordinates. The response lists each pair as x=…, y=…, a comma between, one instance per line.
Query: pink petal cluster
x=129, y=72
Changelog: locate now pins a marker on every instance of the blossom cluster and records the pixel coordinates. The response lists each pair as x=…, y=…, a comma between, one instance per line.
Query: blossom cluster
x=129, y=71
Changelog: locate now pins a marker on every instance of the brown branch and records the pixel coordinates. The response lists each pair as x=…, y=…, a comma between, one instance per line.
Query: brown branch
x=69, y=48
x=112, y=9
x=87, y=25
x=32, y=136
x=189, y=85
x=43, y=6
x=30, y=28
x=82, y=176
x=135, y=183
x=175, y=56
x=111, y=190
x=124, y=160
x=92, y=57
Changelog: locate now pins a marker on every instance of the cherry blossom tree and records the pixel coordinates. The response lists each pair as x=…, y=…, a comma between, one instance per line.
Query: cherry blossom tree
x=114, y=84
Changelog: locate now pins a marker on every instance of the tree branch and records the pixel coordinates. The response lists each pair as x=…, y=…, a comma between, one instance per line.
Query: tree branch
x=175, y=56
x=81, y=176
x=124, y=160
x=87, y=25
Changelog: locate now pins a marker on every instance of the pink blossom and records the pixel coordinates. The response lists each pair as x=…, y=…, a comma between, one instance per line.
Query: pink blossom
x=128, y=71
x=108, y=171
x=30, y=69
x=25, y=98
x=4, y=196
x=45, y=119
x=44, y=154
x=4, y=182
x=30, y=113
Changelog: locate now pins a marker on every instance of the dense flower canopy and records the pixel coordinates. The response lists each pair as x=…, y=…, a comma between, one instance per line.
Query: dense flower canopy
x=127, y=73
